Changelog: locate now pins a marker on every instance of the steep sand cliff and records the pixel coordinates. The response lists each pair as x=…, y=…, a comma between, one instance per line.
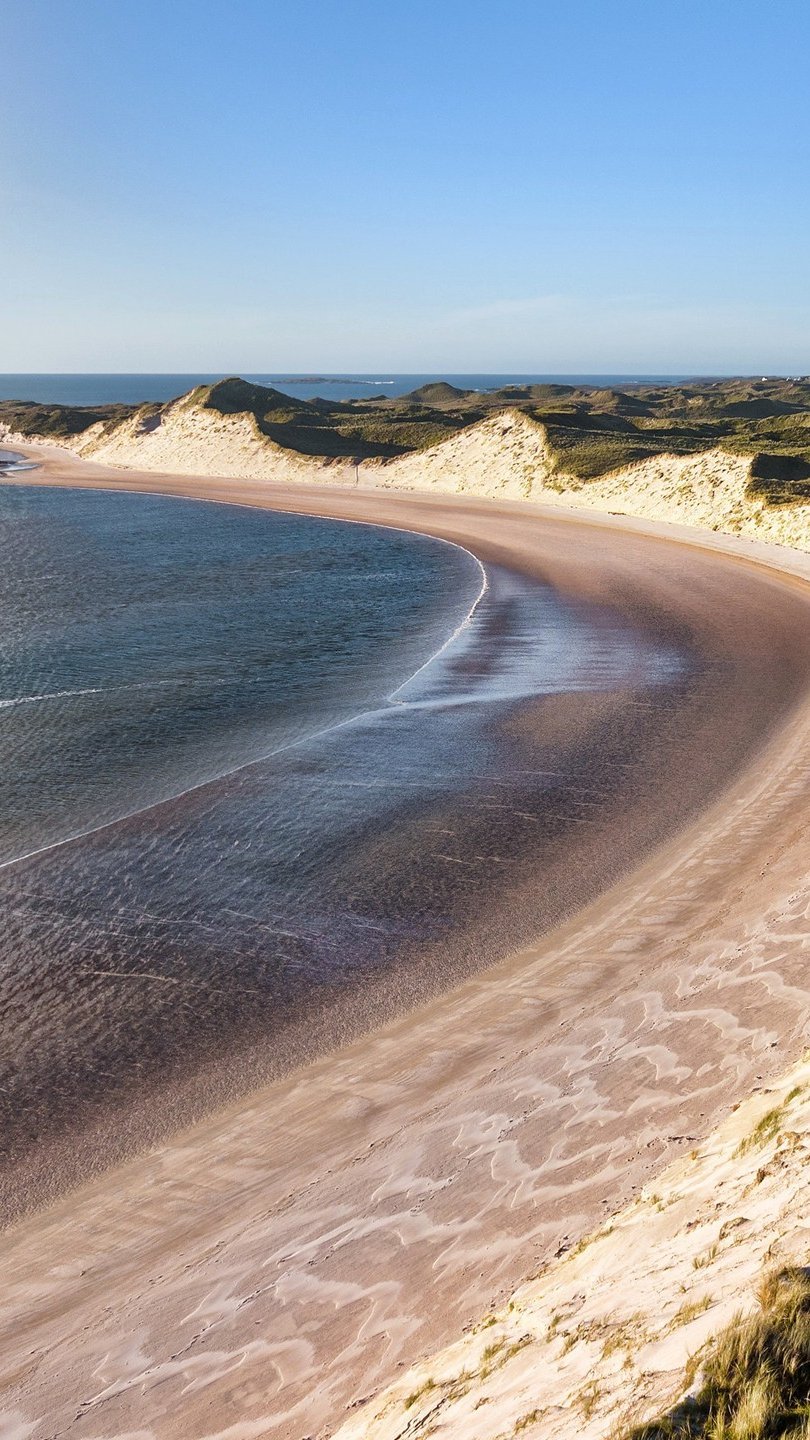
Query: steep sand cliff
x=187, y=438
x=506, y=456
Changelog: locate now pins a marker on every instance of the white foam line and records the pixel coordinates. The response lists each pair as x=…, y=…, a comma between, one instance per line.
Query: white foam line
x=451, y=639
x=51, y=695
x=7, y=703
x=292, y=744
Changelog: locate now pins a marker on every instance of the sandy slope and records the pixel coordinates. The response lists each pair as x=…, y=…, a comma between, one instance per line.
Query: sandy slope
x=601, y=1337
x=192, y=440
x=503, y=457
x=272, y=1268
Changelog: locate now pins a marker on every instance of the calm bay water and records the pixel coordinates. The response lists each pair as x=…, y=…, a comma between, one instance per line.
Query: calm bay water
x=149, y=646
x=252, y=764
x=136, y=389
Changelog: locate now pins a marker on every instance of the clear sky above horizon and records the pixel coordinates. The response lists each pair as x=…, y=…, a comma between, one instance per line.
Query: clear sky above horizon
x=448, y=186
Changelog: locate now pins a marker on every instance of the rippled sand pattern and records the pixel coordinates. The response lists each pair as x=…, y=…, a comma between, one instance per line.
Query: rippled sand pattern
x=285, y=1294
x=278, y=1263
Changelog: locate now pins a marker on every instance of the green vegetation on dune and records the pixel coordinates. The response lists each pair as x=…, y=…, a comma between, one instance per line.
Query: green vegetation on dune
x=438, y=392
x=359, y=437
x=352, y=428
x=754, y=1375
x=26, y=417
x=591, y=430
x=597, y=431
x=780, y=479
x=239, y=397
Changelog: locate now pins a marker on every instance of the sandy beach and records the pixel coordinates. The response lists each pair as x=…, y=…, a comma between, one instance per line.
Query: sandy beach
x=268, y=1269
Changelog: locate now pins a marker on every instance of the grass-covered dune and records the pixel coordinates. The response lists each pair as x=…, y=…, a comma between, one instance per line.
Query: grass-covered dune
x=755, y=1375
x=590, y=431
x=58, y=422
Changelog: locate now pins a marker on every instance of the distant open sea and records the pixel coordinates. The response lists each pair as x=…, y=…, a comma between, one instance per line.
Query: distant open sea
x=135, y=389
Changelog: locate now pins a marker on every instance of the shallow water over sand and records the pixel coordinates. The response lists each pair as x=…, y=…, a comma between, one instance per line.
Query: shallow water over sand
x=150, y=645
x=264, y=763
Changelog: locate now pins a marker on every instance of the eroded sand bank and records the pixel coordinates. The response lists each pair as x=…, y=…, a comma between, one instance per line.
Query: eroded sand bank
x=279, y=1262
x=507, y=456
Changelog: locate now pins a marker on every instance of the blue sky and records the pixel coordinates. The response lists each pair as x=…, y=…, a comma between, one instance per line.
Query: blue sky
x=516, y=185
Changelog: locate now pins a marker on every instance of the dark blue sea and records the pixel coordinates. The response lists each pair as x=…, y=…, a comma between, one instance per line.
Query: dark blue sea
x=136, y=389
x=255, y=770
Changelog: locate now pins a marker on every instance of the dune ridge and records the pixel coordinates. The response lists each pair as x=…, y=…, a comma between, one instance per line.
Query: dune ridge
x=506, y=456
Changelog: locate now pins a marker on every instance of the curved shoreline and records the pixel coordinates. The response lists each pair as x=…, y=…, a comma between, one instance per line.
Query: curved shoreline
x=126, y=1119
x=441, y=1155
x=389, y=698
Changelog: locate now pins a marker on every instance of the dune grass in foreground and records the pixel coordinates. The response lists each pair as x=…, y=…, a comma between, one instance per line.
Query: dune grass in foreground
x=755, y=1377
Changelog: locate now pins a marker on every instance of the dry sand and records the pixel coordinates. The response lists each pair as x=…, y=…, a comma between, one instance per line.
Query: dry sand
x=602, y=1337
x=280, y=1262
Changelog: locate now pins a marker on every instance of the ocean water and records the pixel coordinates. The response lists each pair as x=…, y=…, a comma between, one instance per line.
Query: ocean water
x=252, y=764
x=136, y=389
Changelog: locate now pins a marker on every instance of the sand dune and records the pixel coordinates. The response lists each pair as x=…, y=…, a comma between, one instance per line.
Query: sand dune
x=602, y=1337
x=504, y=457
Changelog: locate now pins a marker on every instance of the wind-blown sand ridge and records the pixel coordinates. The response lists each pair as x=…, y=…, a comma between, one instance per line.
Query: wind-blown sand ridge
x=506, y=456
x=606, y=1335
